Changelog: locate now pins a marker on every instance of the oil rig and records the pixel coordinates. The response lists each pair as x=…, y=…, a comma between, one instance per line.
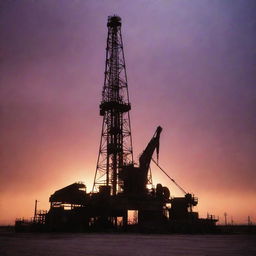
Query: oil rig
x=123, y=197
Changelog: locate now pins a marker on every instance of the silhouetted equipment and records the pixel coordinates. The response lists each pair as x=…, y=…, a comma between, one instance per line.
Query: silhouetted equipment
x=169, y=176
x=74, y=194
x=121, y=199
x=116, y=141
x=135, y=179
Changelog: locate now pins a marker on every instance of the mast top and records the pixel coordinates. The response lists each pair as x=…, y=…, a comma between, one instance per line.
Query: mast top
x=114, y=21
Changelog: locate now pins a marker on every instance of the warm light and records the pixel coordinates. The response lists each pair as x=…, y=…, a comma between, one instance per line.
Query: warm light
x=132, y=217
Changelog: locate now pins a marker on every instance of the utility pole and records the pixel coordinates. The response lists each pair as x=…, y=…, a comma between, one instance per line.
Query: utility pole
x=35, y=211
x=116, y=141
x=249, y=220
x=232, y=221
x=225, y=215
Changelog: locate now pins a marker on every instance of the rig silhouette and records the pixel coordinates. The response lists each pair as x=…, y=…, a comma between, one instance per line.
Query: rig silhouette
x=123, y=197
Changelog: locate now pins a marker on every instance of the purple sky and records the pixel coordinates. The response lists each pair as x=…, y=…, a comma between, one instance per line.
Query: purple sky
x=191, y=69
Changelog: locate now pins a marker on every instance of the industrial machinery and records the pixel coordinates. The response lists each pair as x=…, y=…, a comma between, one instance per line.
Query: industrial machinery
x=121, y=199
x=116, y=139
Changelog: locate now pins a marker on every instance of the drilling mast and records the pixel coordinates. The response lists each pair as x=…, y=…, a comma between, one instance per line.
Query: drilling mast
x=116, y=141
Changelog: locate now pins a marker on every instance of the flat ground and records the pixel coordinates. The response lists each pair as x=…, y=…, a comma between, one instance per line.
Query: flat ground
x=31, y=244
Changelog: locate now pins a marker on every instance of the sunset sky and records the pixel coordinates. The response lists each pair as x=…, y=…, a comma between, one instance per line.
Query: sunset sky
x=191, y=68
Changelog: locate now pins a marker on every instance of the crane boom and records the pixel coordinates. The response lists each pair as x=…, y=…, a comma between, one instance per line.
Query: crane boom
x=153, y=145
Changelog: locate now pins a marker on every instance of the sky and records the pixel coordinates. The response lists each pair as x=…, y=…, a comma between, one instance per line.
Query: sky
x=191, y=68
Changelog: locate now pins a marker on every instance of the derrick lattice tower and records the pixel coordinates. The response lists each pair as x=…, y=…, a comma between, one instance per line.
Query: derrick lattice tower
x=116, y=140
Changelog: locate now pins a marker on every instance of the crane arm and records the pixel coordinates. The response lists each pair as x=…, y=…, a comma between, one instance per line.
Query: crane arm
x=153, y=145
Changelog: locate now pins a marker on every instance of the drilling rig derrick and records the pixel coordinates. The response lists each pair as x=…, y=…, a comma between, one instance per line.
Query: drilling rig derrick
x=116, y=141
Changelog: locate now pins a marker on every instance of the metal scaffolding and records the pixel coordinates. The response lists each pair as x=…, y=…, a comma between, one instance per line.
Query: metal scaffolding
x=116, y=141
